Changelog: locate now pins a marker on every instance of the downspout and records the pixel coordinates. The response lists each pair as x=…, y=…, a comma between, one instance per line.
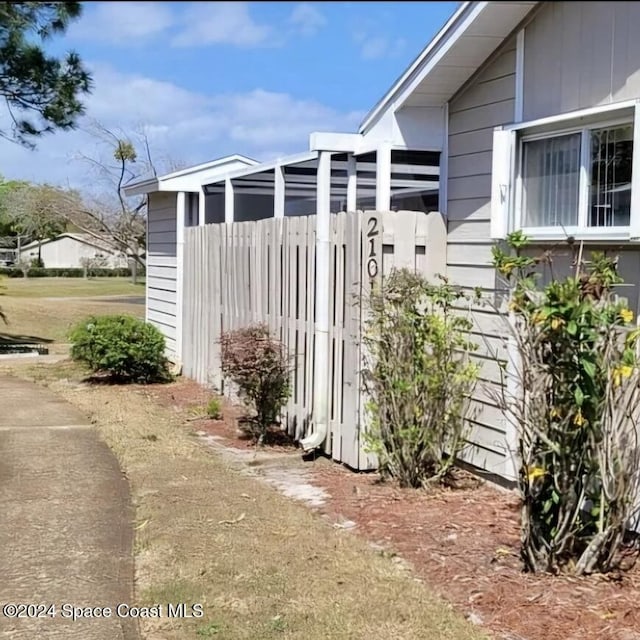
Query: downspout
x=181, y=207
x=321, y=351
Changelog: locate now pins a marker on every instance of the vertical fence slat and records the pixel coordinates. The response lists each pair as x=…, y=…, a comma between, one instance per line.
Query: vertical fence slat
x=309, y=316
x=349, y=432
x=215, y=255
x=336, y=334
x=290, y=338
x=372, y=269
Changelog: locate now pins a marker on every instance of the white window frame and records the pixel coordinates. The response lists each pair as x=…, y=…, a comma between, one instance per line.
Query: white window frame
x=507, y=182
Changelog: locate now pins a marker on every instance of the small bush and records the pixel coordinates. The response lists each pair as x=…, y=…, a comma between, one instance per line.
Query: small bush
x=214, y=408
x=418, y=377
x=124, y=347
x=259, y=365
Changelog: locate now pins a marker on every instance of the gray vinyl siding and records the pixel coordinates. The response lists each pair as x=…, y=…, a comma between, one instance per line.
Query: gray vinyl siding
x=576, y=55
x=161, y=265
x=487, y=101
x=579, y=55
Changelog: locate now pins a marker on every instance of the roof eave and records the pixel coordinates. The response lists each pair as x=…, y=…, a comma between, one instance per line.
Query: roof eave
x=150, y=185
x=415, y=66
x=236, y=157
x=142, y=187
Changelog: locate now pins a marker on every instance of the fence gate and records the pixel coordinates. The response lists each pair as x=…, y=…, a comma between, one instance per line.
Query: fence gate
x=247, y=272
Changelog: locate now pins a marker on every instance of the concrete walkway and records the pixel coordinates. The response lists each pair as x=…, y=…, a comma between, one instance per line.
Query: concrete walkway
x=65, y=520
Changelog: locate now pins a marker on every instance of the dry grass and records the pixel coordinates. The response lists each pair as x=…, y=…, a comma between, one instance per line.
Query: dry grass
x=70, y=287
x=262, y=566
x=49, y=320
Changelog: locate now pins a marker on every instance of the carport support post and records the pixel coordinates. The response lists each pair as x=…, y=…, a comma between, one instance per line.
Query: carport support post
x=229, y=201
x=180, y=219
x=383, y=177
x=278, y=191
x=352, y=183
x=201, y=207
x=321, y=352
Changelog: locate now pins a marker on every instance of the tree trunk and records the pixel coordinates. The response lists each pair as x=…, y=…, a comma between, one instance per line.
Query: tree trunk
x=134, y=271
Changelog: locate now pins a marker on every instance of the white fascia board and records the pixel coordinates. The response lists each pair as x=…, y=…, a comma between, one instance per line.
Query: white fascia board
x=264, y=166
x=212, y=164
x=190, y=178
x=447, y=45
x=388, y=100
x=141, y=188
x=330, y=141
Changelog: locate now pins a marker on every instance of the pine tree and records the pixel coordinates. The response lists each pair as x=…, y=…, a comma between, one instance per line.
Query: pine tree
x=42, y=92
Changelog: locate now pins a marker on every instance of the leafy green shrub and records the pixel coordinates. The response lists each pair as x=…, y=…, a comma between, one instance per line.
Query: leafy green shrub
x=574, y=404
x=258, y=364
x=124, y=347
x=214, y=408
x=418, y=377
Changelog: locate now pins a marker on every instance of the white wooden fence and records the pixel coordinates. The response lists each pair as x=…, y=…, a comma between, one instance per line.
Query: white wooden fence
x=247, y=272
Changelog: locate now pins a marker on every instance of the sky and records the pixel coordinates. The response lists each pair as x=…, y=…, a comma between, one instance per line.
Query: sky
x=207, y=79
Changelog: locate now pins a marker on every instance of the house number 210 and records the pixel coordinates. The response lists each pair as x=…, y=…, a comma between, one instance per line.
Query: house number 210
x=372, y=258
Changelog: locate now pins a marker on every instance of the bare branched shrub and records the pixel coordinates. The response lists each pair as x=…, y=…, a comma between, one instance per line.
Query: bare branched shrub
x=572, y=393
x=259, y=365
x=418, y=377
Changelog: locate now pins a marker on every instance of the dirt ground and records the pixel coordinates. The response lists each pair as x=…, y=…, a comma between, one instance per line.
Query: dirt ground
x=462, y=542
x=208, y=532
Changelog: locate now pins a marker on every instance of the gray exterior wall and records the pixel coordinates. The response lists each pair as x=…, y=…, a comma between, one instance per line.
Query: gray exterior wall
x=161, y=265
x=488, y=100
x=579, y=55
x=576, y=55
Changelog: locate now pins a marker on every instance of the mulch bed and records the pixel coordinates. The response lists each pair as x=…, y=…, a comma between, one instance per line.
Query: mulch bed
x=187, y=395
x=463, y=543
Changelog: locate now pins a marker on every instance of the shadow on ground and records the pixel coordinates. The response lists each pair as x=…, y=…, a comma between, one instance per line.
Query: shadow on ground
x=14, y=342
x=119, y=299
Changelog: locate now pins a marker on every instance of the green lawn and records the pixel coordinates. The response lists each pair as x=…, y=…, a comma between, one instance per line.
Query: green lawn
x=42, y=310
x=69, y=287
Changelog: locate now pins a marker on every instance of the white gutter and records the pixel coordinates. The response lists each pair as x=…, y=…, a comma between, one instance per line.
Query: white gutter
x=321, y=352
x=141, y=187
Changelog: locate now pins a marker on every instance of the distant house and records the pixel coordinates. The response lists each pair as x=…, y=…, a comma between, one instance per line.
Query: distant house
x=67, y=251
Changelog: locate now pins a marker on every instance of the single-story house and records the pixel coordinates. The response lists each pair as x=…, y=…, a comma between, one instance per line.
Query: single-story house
x=70, y=250
x=517, y=115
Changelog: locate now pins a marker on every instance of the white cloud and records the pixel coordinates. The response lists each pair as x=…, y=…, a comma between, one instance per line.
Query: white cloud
x=375, y=47
x=130, y=23
x=307, y=19
x=205, y=23
x=189, y=24
x=184, y=126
